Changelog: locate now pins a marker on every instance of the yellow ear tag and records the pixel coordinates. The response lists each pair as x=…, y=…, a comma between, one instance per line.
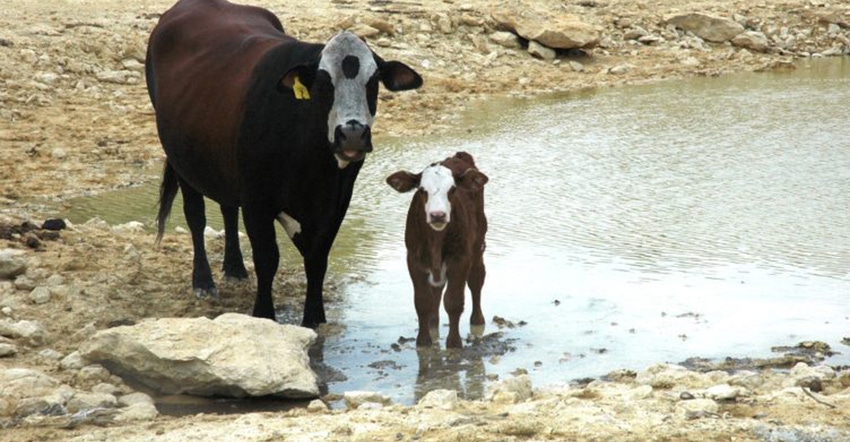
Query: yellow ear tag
x=301, y=92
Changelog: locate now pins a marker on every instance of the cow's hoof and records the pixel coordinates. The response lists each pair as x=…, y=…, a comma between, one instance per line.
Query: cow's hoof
x=206, y=293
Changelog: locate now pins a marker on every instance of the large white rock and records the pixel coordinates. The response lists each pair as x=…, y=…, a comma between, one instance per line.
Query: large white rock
x=233, y=355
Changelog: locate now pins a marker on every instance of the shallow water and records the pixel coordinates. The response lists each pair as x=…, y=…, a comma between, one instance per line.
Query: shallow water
x=628, y=226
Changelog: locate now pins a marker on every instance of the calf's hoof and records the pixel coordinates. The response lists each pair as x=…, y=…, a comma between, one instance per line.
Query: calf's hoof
x=477, y=319
x=454, y=341
x=423, y=339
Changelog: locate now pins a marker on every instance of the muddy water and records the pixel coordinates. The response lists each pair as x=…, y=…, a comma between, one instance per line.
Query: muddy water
x=628, y=226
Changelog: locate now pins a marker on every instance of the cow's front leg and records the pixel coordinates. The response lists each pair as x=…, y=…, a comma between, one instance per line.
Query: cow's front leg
x=315, y=266
x=193, y=210
x=233, y=267
x=260, y=228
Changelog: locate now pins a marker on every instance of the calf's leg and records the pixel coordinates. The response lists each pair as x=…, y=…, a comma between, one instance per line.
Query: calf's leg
x=234, y=267
x=423, y=300
x=453, y=301
x=193, y=209
x=476, y=280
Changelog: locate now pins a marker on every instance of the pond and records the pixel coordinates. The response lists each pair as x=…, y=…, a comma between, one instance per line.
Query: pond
x=628, y=226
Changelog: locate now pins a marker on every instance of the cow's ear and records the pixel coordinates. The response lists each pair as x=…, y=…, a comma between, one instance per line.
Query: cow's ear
x=397, y=76
x=472, y=180
x=403, y=181
x=298, y=80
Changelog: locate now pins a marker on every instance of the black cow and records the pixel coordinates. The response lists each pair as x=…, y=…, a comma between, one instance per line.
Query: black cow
x=252, y=118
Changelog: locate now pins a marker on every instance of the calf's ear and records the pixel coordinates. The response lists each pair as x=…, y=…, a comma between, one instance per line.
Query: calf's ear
x=472, y=180
x=397, y=76
x=403, y=181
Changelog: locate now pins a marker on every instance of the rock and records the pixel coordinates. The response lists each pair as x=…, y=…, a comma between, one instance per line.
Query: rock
x=754, y=41
x=22, y=282
x=576, y=66
x=117, y=77
x=50, y=354
x=7, y=350
x=317, y=406
x=87, y=401
x=505, y=39
x=559, y=32
x=40, y=295
x=363, y=30
x=30, y=331
x=134, y=398
x=137, y=412
x=724, y=392
x=129, y=227
x=106, y=388
x=440, y=399
x=12, y=263
x=92, y=374
x=538, y=50
x=354, y=399
x=520, y=386
x=22, y=383
x=234, y=355
x=620, y=69
x=707, y=27
x=696, y=408
x=73, y=361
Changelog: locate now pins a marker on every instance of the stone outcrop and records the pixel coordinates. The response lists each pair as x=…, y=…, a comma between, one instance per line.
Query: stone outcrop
x=233, y=355
x=707, y=27
x=556, y=32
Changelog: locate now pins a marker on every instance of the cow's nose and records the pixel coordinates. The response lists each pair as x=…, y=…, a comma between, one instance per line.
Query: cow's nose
x=354, y=136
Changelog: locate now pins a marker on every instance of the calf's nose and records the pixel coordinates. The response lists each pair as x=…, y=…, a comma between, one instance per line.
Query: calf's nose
x=438, y=217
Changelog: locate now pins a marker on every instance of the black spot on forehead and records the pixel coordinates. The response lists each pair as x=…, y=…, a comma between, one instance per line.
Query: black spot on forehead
x=350, y=66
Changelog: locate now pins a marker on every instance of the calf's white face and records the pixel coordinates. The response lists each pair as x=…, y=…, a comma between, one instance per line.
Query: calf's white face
x=437, y=182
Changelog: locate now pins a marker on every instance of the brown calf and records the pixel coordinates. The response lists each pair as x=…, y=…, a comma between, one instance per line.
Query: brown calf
x=444, y=236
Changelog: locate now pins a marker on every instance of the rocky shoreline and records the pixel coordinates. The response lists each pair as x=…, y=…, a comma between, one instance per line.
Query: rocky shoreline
x=75, y=119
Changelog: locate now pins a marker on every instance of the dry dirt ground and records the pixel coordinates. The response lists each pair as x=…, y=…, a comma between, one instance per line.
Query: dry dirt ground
x=75, y=119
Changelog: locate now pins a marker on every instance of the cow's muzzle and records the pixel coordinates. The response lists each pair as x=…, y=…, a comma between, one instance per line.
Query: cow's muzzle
x=352, y=141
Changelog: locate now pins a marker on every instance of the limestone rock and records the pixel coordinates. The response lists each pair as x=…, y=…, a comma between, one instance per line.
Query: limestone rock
x=30, y=331
x=558, y=32
x=538, y=50
x=505, y=39
x=12, y=263
x=440, y=399
x=518, y=388
x=23, y=382
x=354, y=399
x=707, y=27
x=234, y=355
x=754, y=41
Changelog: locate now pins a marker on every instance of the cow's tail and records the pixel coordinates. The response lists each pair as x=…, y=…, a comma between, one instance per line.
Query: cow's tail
x=167, y=192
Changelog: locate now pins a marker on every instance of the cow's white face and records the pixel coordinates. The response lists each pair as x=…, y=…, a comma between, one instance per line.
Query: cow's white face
x=437, y=182
x=353, y=73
